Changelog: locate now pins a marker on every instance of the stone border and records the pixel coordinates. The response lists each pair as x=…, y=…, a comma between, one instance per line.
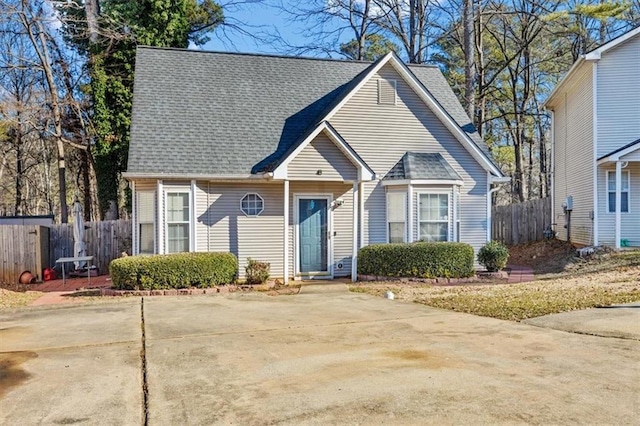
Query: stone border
x=480, y=276
x=176, y=292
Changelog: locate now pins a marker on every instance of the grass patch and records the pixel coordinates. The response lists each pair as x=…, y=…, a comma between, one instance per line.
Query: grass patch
x=603, y=281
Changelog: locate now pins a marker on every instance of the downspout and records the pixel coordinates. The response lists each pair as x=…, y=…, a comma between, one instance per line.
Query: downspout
x=594, y=216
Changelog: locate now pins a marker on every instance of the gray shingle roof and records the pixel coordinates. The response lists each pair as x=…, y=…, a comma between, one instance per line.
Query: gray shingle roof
x=208, y=113
x=422, y=166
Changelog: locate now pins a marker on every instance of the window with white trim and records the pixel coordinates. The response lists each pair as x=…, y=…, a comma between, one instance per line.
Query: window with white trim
x=433, y=217
x=146, y=206
x=178, y=222
x=252, y=204
x=611, y=192
x=396, y=217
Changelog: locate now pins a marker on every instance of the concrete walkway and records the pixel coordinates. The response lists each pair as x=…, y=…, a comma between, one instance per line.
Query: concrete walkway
x=620, y=321
x=58, y=291
x=520, y=274
x=325, y=356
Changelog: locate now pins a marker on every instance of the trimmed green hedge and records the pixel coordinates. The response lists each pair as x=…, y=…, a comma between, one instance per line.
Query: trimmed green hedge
x=179, y=270
x=422, y=260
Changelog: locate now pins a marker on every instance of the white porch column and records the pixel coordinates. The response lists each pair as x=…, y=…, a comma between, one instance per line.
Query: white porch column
x=361, y=213
x=286, y=233
x=618, y=201
x=355, y=227
x=160, y=215
x=454, y=213
x=194, y=218
x=134, y=219
x=410, y=213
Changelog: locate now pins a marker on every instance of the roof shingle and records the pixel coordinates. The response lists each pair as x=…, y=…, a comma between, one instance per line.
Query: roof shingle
x=208, y=113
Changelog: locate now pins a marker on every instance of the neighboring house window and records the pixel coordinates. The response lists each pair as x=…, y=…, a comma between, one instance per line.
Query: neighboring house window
x=624, y=192
x=396, y=217
x=433, y=217
x=178, y=222
x=386, y=92
x=146, y=204
x=252, y=204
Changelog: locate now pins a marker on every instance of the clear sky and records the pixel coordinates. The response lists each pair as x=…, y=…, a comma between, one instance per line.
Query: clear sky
x=264, y=21
x=261, y=20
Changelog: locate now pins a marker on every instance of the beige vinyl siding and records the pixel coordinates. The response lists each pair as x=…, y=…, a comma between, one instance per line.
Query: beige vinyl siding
x=146, y=186
x=573, y=162
x=342, y=218
x=322, y=154
x=619, y=97
x=228, y=229
x=202, y=214
x=381, y=134
x=629, y=221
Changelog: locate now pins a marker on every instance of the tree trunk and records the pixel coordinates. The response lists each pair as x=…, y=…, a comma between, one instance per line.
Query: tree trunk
x=469, y=57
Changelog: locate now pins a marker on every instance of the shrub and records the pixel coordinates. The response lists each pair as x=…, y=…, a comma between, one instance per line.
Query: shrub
x=256, y=272
x=423, y=260
x=179, y=270
x=493, y=256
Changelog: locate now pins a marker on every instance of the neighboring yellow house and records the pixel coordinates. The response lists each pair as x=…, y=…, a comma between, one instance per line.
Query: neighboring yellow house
x=300, y=162
x=596, y=146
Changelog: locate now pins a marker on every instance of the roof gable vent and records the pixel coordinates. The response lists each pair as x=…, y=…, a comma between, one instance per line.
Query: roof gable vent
x=386, y=92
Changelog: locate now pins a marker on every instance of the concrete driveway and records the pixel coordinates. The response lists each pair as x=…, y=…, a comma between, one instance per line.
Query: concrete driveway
x=324, y=356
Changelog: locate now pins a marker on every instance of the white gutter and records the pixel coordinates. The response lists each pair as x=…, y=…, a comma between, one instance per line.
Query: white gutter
x=195, y=176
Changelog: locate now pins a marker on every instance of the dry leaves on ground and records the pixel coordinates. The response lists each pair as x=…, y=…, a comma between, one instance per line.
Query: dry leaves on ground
x=14, y=299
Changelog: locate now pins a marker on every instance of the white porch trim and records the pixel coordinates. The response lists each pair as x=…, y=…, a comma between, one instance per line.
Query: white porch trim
x=286, y=233
x=354, y=230
x=134, y=218
x=618, y=202
x=161, y=216
x=193, y=245
x=410, y=213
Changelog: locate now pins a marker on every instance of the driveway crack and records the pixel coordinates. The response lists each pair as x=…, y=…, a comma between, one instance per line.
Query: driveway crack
x=143, y=366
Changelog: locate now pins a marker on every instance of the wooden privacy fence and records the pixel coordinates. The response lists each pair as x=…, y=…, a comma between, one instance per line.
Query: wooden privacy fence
x=33, y=248
x=521, y=223
x=104, y=241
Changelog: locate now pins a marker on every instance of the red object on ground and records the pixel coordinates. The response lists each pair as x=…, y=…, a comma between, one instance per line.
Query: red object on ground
x=49, y=274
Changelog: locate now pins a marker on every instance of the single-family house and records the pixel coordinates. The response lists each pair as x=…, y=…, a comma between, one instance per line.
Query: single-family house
x=299, y=162
x=596, y=146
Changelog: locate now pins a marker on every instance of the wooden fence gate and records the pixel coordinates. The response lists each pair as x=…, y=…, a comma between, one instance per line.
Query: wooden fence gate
x=22, y=248
x=521, y=223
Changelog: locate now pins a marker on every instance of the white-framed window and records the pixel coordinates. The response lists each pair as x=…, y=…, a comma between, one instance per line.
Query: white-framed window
x=252, y=204
x=434, y=221
x=624, y=191
x=146, y=206
x=178, y=222
x=396, y=217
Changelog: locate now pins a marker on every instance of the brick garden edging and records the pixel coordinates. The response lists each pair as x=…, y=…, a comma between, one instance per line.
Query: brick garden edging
x=175, y=292
x=438, y=281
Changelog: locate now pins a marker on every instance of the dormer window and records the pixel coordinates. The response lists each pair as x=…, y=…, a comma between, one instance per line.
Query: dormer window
x=386, y=92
